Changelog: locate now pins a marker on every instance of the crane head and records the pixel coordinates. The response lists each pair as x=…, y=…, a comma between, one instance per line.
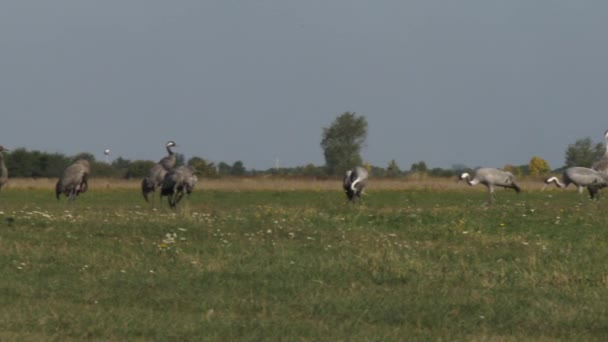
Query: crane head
x=464, y=175
x=171, y=143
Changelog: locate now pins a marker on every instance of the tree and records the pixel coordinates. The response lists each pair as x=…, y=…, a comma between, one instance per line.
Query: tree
x=440, y=172
x=392, y=170
x=205, y=168
x=20, y=163
x=538, y=166
x=342, y=142
x=52, y=165
x=121, y=163
x=377, y=172
x=103, y=169
x=238, y=169
x=312, y=170
x=583, y=153
x=515, y=170
x=419, y=167
x=224, y=169
x=139, y=168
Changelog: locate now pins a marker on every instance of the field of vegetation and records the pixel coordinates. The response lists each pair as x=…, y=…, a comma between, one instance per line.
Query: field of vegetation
x=291, y=260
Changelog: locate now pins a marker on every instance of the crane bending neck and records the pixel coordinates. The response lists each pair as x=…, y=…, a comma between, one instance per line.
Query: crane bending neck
x=556, y=181
x=468, y=179
x=352, y=186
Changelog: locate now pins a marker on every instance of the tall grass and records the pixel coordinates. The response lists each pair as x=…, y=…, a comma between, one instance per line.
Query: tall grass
x=303, y=265
x=279, y=184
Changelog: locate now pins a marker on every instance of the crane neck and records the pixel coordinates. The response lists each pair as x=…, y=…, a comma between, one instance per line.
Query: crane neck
x=169, y=150
x=467, y=178
x=556, y=181
x=352, y=186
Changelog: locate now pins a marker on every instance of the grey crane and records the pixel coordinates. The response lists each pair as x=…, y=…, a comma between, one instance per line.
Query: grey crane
x=354, y=183
x=491, y=178
x=156, y=174
x=582, y=177
x=177, y=182
x=601, y=164
x=74, y=180
x=3, y=169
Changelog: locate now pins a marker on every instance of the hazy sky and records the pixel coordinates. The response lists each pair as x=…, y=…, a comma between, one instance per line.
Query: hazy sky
x=480, y=83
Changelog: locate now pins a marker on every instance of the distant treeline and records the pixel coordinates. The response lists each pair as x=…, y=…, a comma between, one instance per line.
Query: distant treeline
x=37, y=164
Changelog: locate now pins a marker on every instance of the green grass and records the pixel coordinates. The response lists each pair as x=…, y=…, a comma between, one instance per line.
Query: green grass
x=304, y=265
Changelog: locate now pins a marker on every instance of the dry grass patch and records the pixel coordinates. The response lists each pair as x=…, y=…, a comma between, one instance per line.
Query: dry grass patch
x=280, y=184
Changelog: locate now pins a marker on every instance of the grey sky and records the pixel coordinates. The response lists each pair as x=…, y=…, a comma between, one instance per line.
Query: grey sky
x=469, y=82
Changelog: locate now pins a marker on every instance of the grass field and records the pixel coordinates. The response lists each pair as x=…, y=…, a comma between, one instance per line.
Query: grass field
x=296, y=262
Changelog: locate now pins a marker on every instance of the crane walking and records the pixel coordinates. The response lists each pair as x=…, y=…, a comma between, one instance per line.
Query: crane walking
x=177, y=182
x=157, y=173
x=74, y=180
x=354, y=183
x=581, y=177
x=491, y=178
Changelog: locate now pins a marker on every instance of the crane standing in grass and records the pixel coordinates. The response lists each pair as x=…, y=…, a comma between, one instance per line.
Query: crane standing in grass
x=491, y=178
x=3, y=169
x=177, y=182
x=582, y=177
x=354, y=183
x=157, y=173
x=74, y=180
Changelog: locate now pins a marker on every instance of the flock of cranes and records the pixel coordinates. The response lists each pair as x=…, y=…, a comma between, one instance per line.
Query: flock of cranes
x=175, y=182
x=594, y=178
